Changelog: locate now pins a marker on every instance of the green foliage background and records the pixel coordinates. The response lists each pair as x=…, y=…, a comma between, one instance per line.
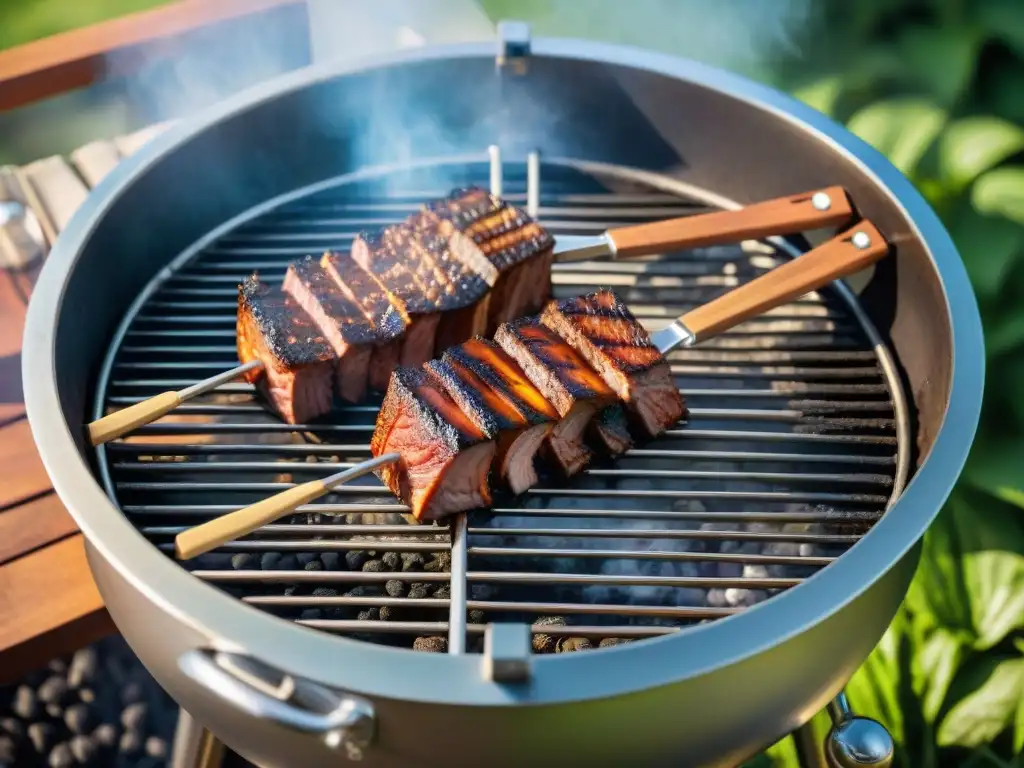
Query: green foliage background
x=938, y=86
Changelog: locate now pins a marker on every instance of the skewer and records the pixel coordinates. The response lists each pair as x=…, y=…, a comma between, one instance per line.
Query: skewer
x=843, y=255
x=202, y=538
x=781, y=216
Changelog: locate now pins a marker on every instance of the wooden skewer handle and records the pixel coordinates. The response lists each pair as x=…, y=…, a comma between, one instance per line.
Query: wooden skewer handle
x=121, y=422
x=781, y=216
x=202, y=538
x=844, y=255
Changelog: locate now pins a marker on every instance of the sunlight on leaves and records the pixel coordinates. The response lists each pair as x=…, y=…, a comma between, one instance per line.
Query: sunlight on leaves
x=936, y=660
x=973, y=145
x=996, y=685
x=1001, y=192
x=902, y=129
x=821, y=94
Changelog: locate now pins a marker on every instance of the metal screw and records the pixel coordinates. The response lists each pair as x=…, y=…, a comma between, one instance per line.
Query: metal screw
x=860, y=742
x=860, y=240
x=821, y=201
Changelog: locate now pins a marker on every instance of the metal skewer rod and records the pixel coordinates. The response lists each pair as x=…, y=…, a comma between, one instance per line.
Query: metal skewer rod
x=202, y=538
x=121, y=422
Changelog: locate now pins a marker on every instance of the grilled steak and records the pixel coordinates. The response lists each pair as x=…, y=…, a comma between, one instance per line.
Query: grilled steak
x=445, y=457
x=298, y=362
x=341, y=320
x=465, y=295
x=603, y=330
x=385, y=311
x=565, y=379
x=496, y=395
x=610, y=427
x=482, y=228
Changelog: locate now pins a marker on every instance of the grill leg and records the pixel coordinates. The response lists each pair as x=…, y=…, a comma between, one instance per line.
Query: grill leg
x=194, y=746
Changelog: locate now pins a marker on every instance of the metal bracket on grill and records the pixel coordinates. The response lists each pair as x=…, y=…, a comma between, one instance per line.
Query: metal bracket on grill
x=513, y=46
x=507, y=653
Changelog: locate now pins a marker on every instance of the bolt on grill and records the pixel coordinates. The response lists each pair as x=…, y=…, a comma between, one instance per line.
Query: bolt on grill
x=796, y=440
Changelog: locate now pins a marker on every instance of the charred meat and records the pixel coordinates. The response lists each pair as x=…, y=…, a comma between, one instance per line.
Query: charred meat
x=565, y=379
x=482, y=228
x=446, y=458
x=298, y=361
x=605, y=333
x=492, y=390
x=610, y=427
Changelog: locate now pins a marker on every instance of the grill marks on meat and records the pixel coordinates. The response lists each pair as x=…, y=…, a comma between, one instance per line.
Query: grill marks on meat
x=340, y=319
x=483, y=228
x=494, y=392
x=446, y=458
x=566, y=381
x=298, y=361
x=604, y=332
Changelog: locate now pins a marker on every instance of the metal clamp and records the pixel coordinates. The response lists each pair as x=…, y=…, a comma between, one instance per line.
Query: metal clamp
x=341, y=721
x=513, y=46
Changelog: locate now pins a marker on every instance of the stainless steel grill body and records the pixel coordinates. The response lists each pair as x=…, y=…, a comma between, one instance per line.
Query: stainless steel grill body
x=795, y=419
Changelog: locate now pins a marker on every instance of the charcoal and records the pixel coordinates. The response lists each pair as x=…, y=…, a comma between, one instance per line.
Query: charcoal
x=12, y=727
x=8, y=750
x=87, y=695
x=388, y=613
x=374, y=566
x=546, y=643
x=396, y=588
x=25, y=704
x=156, y=747
x=331, y=560
x=78, y=719
x=243, y=561
x=413, y=561
x=270, y=561
x=105, y=735
x=364, y=590
x=355, y=558
x=83, y=749
x=475, y=616
x=444, y=592
x=311, y=614
x=610, y=642
x=570, y=644
x=305, y=558
x=440, y=564
x=369, y=614
x=325, y=592
x=53, y=691
x=42, y=736
x=314, y=565
x=392, y=561
x=481, y=592
x=134, y=716
x=291, y=590
x=55, y=711
x=419, y=590
x=57, y=665
x=130, y=743
x=288, y=563
x=61, y=757
x=430, y=644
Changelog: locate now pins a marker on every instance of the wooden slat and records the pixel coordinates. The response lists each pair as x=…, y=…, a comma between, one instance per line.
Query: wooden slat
x=32, y=525
x=133, y=142
x=21, y=238
x=49, y=606
x=79, y=58
x=12, y=326
x=59, y=192
x=23, y=473
x=95, y=160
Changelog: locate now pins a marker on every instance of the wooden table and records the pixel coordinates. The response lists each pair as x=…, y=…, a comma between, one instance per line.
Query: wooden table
x=49, y=604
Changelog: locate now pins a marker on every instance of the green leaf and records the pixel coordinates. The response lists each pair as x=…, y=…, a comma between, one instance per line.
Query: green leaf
x=994, y=466
x=938, y=589
x=1004, y=19
x=989, y=246
x=989, y=691
x=1006, y=334
x=936, y=659
x=821, y=94
x=875, y=688
x=1001, y=193
x=902, y=129
x=1018, y=729
x=941, y=58
x=973, y=145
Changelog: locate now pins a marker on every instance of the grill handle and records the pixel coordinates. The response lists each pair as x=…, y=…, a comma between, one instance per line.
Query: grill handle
x=342, y=721
x=202, y=538
x=781, y=216
x=841, y=256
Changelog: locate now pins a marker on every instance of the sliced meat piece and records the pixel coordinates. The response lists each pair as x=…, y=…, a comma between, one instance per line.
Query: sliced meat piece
x=298, y=362
x=492, y=390
x=611, y=429
x=603, y=330
x=445, y=457
x=466, y=295
x=341, y=320
x=385, y=310
x=565, y=379
x=482, y=227
x=386, y=255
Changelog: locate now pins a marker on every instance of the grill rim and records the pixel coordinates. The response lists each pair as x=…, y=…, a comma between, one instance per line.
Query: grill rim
x=657, y=662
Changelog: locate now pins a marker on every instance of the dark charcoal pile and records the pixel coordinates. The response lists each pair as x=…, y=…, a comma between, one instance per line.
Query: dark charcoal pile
x=100, y=707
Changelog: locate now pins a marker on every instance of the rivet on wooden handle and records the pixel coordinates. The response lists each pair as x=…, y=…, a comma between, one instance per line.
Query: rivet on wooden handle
x=121, y=422
x=855, y=249
x=202, y=538
x=781, y=216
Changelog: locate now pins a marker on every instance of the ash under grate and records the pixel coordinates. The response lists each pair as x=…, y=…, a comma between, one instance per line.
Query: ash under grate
x=790, y=453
